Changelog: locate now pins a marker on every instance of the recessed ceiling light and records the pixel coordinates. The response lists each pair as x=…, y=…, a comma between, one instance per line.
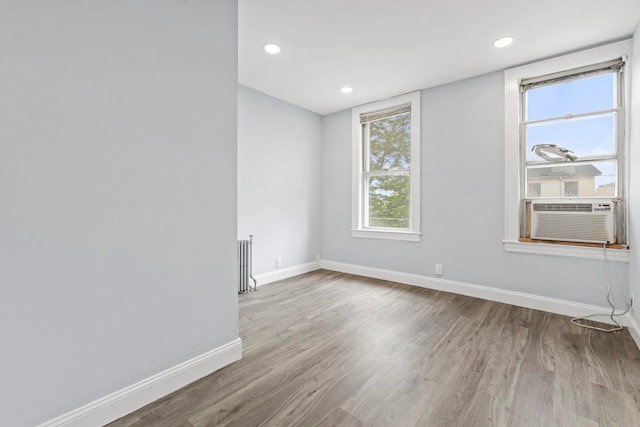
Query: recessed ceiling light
x=503, y=42
x=346, y=89
x=271, y=48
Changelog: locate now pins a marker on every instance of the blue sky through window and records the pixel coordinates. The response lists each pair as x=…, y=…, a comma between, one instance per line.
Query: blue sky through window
x=589, y=136
x=593, y=136
x=573, y=97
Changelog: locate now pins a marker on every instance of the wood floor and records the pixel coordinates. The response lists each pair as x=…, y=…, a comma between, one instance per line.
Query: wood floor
x=331, y=349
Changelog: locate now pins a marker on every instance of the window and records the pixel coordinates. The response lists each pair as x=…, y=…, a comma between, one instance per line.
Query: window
x=565, y=142
x=571, y=129
x=386, y=169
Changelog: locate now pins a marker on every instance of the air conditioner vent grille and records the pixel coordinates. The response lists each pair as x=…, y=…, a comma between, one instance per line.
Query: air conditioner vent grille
x=563, y=207
x=595, y=228
x=577, y=222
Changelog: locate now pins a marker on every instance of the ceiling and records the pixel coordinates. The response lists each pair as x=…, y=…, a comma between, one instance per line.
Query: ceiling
x=383, y=48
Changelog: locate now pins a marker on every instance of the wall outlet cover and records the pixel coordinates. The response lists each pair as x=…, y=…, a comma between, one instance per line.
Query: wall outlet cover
x=439, y=269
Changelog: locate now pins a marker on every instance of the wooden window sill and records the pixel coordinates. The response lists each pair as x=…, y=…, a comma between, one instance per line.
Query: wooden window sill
x=582, y=244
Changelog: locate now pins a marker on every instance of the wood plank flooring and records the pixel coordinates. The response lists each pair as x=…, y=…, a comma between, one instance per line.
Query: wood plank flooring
x=331, y=349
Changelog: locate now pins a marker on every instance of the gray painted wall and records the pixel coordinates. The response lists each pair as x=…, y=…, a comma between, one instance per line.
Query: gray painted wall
x=634, y=206
x=117, y=195
x=279, y=149
x=462, y=204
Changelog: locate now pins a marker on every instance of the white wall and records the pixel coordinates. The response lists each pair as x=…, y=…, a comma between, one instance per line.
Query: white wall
x=462, y=204
x=279, y=157
x=117, y=195
x=634, y=206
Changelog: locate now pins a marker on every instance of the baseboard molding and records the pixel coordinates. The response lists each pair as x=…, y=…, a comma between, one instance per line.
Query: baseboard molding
x=552, y=305
x=135, y=396
x=285, y=273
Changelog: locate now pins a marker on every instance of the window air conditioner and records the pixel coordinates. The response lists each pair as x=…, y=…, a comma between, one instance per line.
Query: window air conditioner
x=591, y=222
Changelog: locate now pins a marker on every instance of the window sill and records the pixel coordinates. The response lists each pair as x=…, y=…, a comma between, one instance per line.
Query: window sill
x=407, y=236
x=621, y=255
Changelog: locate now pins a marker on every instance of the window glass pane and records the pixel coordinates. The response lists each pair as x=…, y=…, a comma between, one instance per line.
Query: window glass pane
x=576, y=96
x=390, y=143
x=592, y=179
x=534, y=189
x=585, y=137
x=388, y=201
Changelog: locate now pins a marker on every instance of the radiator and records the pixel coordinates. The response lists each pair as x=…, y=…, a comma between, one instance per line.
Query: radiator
x=245, y=264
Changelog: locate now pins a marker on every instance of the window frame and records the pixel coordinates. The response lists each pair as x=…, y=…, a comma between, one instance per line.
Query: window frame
x=359, y=176
x=513, y=152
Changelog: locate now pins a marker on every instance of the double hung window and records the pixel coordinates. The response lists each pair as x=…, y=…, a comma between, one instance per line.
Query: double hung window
x=566, y=159
x=386, y=169
x=571, y=128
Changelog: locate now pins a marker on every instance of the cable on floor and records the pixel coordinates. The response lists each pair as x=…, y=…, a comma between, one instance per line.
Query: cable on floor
x=605, y=274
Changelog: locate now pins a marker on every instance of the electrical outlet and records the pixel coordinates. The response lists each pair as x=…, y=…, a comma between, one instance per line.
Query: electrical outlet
x=278, y=262
x=629, y=300
x=438, y=269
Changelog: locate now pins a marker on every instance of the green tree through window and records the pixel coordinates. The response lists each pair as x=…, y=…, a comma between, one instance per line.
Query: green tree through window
x=386, y=169
x=388, y=176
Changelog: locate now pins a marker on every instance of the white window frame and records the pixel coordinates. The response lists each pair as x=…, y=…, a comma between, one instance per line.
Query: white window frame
x=358, y=228
x=513, y=77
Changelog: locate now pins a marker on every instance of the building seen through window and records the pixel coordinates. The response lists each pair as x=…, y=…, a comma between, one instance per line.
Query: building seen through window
x=571, y=133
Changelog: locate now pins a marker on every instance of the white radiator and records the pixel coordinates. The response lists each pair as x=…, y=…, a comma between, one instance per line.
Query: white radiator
x=245, y=261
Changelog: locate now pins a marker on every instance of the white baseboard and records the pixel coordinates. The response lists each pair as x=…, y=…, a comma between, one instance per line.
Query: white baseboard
x=135, y=396
x=521, y=299
x=285, y=273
